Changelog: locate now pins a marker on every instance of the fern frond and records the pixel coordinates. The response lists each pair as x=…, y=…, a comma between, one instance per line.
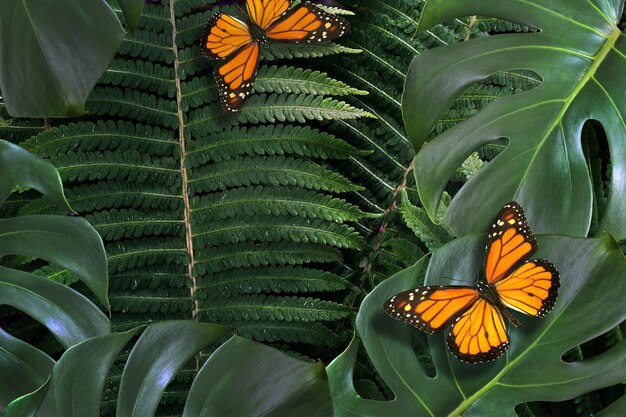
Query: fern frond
x=149, y=46
x=168, y=300
x=103, y=135
x=291, y=332
x=285, y=279
x=134, y=104
x=275, y=228
x=192, y=26
x=134, y=73
x=267, y=307
x=267, y=170
x=138, y=253
x=270, y=140
x=239, y=255
x=276, y=201
x=305, y=50
x=130, y=223
x=198, y=92
x=123, y=166
x=285, y=79
x=433, y=235
x=98, y=196
x=150, y=277
x=271, y=109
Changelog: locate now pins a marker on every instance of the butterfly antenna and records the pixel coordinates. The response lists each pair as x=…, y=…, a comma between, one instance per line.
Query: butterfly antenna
x=240, y=10
x=462, y=281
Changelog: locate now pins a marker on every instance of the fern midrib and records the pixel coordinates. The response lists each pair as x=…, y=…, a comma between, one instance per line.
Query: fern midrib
x=183, y=170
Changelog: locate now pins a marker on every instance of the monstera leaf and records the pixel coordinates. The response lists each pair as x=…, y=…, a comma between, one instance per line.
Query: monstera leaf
x=53, y=52
x=590, y=302
x=579, y=53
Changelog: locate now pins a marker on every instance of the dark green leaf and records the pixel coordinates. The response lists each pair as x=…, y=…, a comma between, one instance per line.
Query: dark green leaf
x=248, y=379
x=27, y=405
x=69, y=316
x=80, y=374
x=53, y=52
x=132, y=12
x=160, y=352
x=579, y=52
x=28, y=366
x=68, y=241
x=590, y=303
x=20, y=168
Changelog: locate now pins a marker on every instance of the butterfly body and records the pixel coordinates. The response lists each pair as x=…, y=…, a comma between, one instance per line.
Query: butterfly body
x=235, y=43
x=512, y=281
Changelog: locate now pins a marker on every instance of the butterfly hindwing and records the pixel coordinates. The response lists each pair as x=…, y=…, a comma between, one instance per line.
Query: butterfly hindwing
x=510, y=242
x=431, y=309
x=531, y=289
x=235, y=77
x=479, y=334
x=307, y=23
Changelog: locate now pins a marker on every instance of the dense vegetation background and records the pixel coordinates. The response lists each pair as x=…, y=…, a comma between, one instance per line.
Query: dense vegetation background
x=278, y=221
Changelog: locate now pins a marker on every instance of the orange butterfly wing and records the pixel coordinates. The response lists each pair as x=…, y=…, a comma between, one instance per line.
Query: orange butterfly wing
x=309, y=23
x=235, y=77
x=531, y=289
x=223, y=35
x=431, y=309
x=479, y=334
x=510, y=243
x=265, y=12
x=229, y=41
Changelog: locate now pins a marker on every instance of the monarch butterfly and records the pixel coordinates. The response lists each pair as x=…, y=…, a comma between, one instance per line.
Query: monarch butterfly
x=512, y=280
x=235, y=43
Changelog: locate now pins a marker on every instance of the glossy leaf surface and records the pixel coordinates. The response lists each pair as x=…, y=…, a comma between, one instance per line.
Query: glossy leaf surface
x=53, y=52
x=160, y=352
x=79, y=376
x=579, y=53
x=28, y=405
x=593, y=281
x=69, y=316
x=247, y=379
x=68, y=241
x=20, y=168
x=28, y=366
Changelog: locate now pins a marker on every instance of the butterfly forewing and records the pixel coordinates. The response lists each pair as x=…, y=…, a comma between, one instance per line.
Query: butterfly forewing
x=265, y=12
x=223, y=35
x=479, y=334
x=430, y=309
x=531, y=289
x=510, y=242
x=308, y=23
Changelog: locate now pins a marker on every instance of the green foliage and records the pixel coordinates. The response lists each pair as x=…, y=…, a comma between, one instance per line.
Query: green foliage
x=48, y=37
x=275, y=220
x=543, y=166
x=592, y=272
x=68, y=242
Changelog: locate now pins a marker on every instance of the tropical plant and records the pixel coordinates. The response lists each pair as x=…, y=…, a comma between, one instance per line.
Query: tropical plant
x=590, y=304
x=578, y=52
x=33, y=384
x=46, y=38
x=69, y=242
x=278, y=220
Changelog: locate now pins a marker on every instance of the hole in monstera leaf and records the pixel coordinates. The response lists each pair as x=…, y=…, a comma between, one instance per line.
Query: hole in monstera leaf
x=588, y=404
x=596, y=149
x=20, y=325
x=596, y=346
